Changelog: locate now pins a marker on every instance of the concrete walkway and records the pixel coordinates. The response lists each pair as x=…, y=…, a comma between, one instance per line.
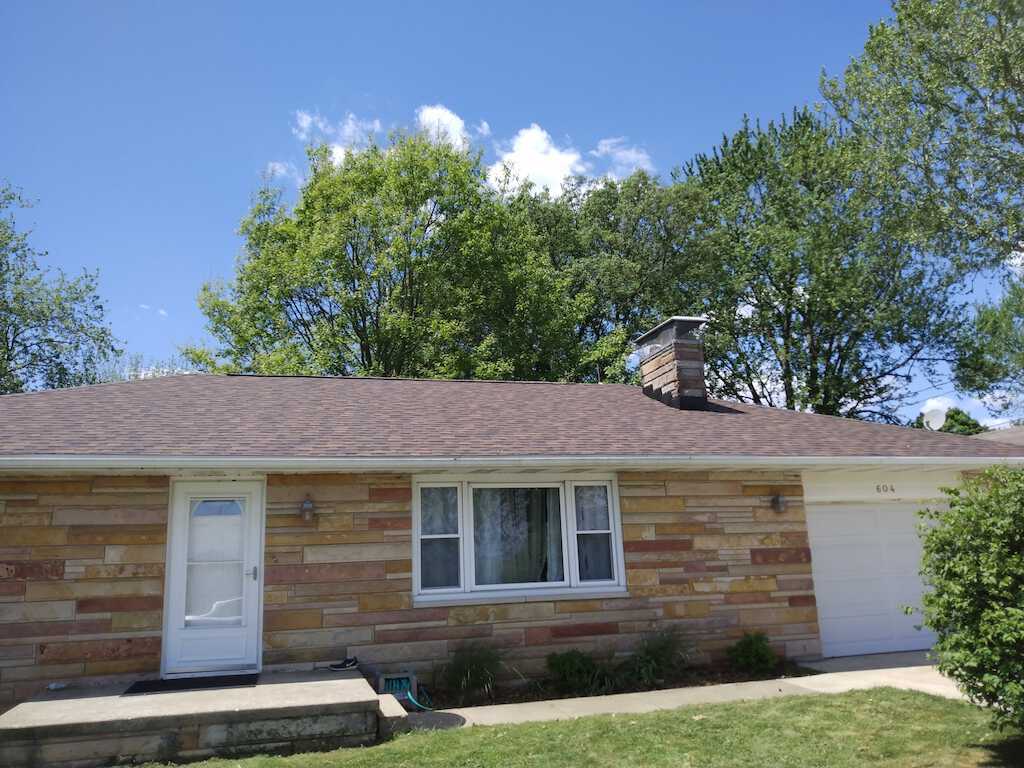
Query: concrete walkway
x=915, y=678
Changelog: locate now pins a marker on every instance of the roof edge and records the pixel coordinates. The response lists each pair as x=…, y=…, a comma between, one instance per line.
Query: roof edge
x=51, y=462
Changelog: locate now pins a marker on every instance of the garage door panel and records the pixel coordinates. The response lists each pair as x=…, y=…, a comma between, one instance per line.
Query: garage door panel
x=839, y=521
x=899, y=520
x=865, y=560
x=908, y=629
x=838, y=598
x=846, y=557
x=868, y=628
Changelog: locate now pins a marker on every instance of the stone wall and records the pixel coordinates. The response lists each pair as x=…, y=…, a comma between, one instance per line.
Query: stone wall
x=81, y=577
x=336, y=585
x=711, y=554
x=704, y=551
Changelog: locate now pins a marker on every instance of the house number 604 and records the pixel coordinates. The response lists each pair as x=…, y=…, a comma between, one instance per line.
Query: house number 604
x=885, y=488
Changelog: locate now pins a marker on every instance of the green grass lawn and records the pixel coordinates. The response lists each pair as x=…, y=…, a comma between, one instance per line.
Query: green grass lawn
x=881, y=727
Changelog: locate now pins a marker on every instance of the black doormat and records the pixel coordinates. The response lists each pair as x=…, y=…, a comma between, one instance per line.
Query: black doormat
x=190, y=684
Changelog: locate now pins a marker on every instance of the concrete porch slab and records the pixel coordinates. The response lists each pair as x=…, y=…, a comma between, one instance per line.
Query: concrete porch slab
x=280, y=713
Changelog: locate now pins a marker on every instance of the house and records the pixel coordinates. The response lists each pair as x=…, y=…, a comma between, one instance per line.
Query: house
x=201, y=524
x=1007, y=435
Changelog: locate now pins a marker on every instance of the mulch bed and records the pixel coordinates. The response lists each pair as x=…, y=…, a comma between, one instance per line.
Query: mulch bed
x=542, y=690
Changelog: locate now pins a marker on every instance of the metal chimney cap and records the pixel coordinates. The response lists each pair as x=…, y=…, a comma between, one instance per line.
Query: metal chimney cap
x=684, y=326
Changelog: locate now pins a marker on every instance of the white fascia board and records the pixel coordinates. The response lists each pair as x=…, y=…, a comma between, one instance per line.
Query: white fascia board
x=51, y=462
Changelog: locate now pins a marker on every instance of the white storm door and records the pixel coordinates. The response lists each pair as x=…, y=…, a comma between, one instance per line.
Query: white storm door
x=214, y=578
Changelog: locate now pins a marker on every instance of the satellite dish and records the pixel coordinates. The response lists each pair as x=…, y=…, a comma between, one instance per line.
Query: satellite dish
x=934, y=418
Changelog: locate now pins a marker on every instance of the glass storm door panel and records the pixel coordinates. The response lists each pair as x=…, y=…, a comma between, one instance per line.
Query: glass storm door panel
x=213, y=578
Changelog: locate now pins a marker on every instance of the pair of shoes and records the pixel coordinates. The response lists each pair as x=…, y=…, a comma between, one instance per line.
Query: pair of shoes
x=350, y=663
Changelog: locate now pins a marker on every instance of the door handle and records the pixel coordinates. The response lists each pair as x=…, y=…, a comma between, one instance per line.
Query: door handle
x=255, y=573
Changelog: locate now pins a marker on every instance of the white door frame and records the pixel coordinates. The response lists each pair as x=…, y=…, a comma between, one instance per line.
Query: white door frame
x=253, y=489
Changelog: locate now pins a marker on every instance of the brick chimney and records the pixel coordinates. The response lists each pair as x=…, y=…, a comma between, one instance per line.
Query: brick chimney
x=672, y=363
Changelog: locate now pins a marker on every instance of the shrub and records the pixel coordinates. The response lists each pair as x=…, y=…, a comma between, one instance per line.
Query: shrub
x=753, y=655
x=659, y=655
x=973, y=562
x=471, y=672
x=577, y=673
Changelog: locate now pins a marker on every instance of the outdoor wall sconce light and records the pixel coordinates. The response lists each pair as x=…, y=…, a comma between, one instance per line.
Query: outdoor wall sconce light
x=779, y=503
x=307, y=509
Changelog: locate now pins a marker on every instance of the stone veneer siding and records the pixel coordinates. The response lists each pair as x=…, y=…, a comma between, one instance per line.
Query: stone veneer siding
x=81, y=577
x=704, y=551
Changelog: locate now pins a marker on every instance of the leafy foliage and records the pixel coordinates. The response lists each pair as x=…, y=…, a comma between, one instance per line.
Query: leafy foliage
x=471, y=672
x=659, y=655
x=973, y=562
x=574, y=672
x=939, y=91
x=132, y=367
x=753, y=655
x=795, y=239
x=398, y=262
x=991, y=351
x=958, y=422
x=53, y=330
x=823, y=294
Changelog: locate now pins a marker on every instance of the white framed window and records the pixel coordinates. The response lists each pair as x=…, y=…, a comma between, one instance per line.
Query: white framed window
x=439, y=544
x=517, y=537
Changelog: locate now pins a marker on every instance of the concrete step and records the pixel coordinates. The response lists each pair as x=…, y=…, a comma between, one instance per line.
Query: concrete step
x=282, y=713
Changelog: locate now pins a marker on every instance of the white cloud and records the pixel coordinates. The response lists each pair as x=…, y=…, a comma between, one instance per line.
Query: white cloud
x=278, y=169
x=162, y=312
x=441, y=124
x=353, y=131
x=309, y=124
x=483, y=128
x=533, y=156
x=145, y=307
x=623, y=158
x=941, y=403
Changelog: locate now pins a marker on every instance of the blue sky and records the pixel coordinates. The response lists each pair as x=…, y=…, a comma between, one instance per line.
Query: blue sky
x=142, y=130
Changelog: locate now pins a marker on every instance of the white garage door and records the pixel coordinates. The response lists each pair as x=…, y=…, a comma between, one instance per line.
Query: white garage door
x=865, y=559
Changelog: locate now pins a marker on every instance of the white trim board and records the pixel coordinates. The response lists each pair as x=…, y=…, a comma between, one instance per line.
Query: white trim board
x=891, y=484
x=606, y=462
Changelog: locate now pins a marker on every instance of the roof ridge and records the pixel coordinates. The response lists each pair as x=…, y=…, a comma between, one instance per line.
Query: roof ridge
x=423, y=379
x=98, y=384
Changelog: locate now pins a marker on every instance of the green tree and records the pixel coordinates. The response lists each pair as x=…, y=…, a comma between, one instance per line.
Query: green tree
x=939, y=90
x=990, y=360
x=958, y=422
x=613, y=243
x=132, y=367
x=973, y=565
x=821, y=293
x=53, y=331
x=400, y=261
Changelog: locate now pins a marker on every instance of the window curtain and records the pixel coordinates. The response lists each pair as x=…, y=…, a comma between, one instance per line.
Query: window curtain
x=517, y=535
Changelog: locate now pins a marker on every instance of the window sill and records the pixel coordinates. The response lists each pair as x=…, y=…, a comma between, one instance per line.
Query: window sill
x=518, y=596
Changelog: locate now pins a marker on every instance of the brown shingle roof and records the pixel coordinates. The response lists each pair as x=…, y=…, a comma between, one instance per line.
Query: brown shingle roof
x=297, y=417
x=1008, y=436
